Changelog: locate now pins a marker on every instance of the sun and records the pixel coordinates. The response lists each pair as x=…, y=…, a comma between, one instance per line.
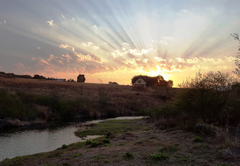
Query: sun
x=163, y=72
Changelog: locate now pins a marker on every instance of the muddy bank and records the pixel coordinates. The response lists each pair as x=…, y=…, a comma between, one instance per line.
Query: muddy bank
x=10, y=123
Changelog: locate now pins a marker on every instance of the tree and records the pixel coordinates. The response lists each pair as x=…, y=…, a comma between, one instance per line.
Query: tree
x=70, y=80
x=205, y=97
x=81, y=78
x=237, y=60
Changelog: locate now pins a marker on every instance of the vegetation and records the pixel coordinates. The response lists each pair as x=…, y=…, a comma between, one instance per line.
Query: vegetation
x=81, y=78
x=176, y=147
x=94, y=144
x=161, y=156
x=64, y=146
x=237, y=60
x=128, y=155
x=205, y=99
x=110, y=126
x=40, y=100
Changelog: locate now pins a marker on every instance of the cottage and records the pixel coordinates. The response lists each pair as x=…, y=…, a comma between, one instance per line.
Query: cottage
x=140, y=82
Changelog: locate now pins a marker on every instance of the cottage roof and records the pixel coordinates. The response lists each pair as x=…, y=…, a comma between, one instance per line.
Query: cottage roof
x=140, y=79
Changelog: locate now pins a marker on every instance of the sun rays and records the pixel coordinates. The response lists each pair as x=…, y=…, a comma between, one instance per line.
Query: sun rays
x=102, y=38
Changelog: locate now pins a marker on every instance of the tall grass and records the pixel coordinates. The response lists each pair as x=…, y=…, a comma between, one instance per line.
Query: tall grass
x=11, y=106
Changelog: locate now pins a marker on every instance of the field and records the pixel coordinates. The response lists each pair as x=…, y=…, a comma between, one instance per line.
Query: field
x=187, y=126
x=45, y=100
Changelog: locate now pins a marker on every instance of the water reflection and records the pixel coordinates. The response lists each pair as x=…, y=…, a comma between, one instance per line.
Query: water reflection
x=40, y=138
x=35, y=141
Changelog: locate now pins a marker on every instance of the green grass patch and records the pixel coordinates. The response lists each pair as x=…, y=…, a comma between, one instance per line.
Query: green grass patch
x=197, y=139
x=112, y=126
x=64, y=146
x=77, y=155
x=94, y=144
x=106, y=141
x=128, y=155
x=88, y=142
x=161, y=156
x=169, y=148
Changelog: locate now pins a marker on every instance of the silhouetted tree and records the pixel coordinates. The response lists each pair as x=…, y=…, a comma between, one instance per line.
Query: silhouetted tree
x=70, y=80
x=36, y=76
x=81, y=78
x=237, y=60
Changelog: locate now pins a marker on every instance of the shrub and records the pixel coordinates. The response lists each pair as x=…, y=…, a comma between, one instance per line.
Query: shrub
x=197, y=139
x=94, y=144
x=105, y=140
x=88, y=142
x=161, y=156
x=111, y=112
x=77, y=155
x=202, y=98
x=64, y=146
x=128, y=155
x=12, y=106
x=106, y=161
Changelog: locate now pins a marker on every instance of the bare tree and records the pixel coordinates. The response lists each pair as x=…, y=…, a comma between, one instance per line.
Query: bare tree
x=237, y=60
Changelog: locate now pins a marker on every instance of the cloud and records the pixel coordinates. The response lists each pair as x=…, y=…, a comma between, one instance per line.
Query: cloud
x=20, y=67
x=67, y=47
x=165, y=40
x=95, y=28
x=4, y=22
x=50, y=23
x=127, y=52
x=90, y=44
x=63, y=17
x=89, y=57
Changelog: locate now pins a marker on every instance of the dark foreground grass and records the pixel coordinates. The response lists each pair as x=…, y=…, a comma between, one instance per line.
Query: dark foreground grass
x=110, y=126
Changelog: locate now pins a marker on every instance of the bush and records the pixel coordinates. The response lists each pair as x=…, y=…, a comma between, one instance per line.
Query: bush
x=88, y=142
x=128, y=155
x=161, y=156
x=111, y=112
x=203, y=98
x=64, y=146
x=94, y=144
x=197, y=139
x=12, y=106
x=206, y=98
x=106, y=141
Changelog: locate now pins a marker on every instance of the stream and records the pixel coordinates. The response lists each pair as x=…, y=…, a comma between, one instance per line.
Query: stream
x=31, y=140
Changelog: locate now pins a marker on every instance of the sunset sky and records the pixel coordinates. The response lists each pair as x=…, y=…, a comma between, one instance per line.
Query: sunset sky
x=113, y=40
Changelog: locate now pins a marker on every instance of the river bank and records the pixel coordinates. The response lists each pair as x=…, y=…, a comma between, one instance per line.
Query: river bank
x=135, y=142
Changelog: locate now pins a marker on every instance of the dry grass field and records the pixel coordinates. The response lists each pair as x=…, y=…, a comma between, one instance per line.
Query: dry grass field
x=96, y=100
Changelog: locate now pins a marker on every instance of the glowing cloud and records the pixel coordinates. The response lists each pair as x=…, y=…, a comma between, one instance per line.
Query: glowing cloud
x=50, y=23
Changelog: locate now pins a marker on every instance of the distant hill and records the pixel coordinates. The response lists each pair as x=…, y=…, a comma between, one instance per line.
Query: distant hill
x=12, y=75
